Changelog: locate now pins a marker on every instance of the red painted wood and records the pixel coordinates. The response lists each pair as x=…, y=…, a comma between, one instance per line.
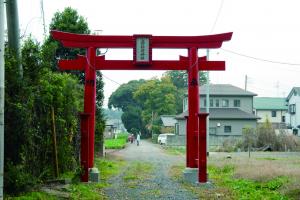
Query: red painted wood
x=84, y=145
x=90, y=100
x=76, y=64
x=102, y=64
x=193, y=108
x=202, y=144
x=108, y=41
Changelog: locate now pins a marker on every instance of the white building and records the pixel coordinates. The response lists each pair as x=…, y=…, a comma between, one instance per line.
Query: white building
x=293, y=115
x=272, y=108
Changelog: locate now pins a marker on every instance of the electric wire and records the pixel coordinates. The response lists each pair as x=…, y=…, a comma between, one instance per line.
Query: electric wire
x=260, y=59
x=111, y=79
x=217, y=17
x=92, y=67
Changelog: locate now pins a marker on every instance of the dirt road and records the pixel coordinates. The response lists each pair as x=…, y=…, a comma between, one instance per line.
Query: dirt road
x=157, y=184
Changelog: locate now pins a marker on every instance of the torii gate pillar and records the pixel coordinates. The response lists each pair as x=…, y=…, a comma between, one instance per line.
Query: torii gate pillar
x=193, y=108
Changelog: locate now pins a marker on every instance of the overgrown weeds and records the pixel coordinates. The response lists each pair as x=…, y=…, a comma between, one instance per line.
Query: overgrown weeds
x=269, y=177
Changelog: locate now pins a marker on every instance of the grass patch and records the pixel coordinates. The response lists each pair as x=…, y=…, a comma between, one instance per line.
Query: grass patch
x=174, y=150
x=137, y=172
x=109, y=167
x=87, y=191
x=228, y=187
x=34, y=196
x=118, y=143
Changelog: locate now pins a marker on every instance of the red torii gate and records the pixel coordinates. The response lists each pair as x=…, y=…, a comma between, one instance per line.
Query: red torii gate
x=142, y=46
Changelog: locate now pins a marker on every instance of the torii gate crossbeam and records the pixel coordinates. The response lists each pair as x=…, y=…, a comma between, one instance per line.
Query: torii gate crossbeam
x=142, y=46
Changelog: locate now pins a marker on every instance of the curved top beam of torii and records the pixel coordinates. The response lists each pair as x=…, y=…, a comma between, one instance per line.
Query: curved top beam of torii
x=108, y=41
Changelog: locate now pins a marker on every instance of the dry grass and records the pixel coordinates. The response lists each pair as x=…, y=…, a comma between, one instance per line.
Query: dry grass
x=262, y=170
x=260, y=167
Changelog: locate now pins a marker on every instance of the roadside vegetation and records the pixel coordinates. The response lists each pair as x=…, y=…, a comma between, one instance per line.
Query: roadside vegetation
x=262, y=138
x=42, y=107
x=108, y=167
x=116, y=143
x=264, y=176
x=174, y=150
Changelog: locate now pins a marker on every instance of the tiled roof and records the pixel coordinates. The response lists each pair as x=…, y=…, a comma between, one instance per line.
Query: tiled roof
x=224, y=113
x=225, y=90
x=269, y=103
x=168, y=120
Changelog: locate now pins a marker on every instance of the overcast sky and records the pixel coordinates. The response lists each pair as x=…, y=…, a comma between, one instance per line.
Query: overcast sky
x=268, y=30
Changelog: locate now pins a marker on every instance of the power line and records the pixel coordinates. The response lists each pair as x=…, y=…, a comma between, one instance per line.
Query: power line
x=217, y=17
x=111, y=79
x=261, y=59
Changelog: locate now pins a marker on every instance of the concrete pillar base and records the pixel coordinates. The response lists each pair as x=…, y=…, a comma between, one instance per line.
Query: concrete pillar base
x=94, y=175
x=190, y=175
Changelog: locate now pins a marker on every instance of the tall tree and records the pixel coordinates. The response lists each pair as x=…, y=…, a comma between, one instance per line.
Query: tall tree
x=70, y=21
x=123, y=99
x=180, y=80
x=156, y=97
x=28, y=106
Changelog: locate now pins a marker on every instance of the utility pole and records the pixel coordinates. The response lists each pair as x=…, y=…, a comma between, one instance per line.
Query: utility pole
x=1, y=97
x=43, y=17
x=12, y=17
x=207, y=107
x=246, y=82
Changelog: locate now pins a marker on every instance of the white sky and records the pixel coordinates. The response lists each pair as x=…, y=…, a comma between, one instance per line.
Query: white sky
x=268, y=29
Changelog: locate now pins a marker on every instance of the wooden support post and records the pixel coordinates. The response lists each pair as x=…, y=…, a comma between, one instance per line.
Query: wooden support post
x=55, y=159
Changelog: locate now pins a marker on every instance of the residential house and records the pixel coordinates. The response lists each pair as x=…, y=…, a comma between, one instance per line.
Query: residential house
x=231, y=110
x=169, y=123
x=113, y=127
x=272, y=108
x=293, y=115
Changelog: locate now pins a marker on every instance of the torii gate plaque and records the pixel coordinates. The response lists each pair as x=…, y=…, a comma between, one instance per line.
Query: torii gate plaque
x=142, y=46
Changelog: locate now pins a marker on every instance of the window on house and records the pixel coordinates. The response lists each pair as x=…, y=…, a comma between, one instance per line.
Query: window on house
x=227, y=129
x=225, y=102
x=211, y=103
x=237, y=103
x=176, y=129
x=292, y=108
x=273, y=113
x=282, y=118
x=204, y=102
x=217, y=103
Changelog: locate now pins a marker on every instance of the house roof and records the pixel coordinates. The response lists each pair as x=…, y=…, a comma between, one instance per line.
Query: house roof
x=224, y=90
x=269, y=103
x=224, y=113
x=168, y=120
x=113, y=122
x=294, y=90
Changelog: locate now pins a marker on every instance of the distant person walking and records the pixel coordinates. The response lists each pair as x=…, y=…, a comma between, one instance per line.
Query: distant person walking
x=138, y=139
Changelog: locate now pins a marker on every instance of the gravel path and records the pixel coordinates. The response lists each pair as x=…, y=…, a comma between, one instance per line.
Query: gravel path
x=157, y=186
